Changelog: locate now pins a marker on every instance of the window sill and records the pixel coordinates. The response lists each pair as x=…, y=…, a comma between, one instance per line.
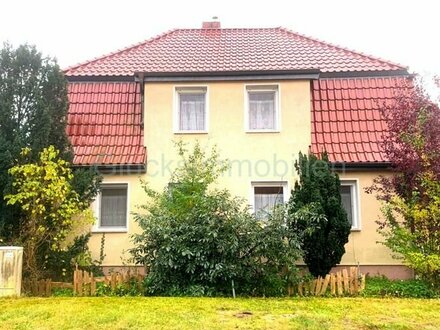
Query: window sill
x=355, y=229
x=190, y=132
x=262, y=131
x=109, y=230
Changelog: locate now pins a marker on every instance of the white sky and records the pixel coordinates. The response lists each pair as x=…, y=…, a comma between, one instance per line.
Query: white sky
x=73, y=31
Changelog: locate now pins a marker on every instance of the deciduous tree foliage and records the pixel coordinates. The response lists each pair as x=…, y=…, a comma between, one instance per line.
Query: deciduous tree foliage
x=49, y=205
x=411, y=194
x=317, y=215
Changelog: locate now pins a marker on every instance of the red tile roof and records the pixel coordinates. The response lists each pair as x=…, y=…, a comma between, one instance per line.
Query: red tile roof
x=226, y=50
x=104, y=123
x=346, y=120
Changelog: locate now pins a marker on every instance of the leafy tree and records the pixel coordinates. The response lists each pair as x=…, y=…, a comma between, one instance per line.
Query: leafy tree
x=412, y=143
x=33, y=114
x=411, y=220
x=196, y=240
x=317, y=215
x=50, y=206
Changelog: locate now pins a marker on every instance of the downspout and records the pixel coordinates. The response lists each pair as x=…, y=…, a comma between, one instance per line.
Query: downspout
x=139, y=78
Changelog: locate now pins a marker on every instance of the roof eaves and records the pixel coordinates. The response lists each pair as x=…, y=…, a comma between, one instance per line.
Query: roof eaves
x=362, y=74
x=360, y=166
x=116, y=168
x=229, y=75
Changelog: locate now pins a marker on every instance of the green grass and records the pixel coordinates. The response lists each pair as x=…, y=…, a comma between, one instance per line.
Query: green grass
x=218, y=313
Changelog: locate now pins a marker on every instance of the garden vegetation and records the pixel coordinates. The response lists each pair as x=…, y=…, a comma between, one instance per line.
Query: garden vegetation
x=197, y=239
x=33, y=116
x=410, y=224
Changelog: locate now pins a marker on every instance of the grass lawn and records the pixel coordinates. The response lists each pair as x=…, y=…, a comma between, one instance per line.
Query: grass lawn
x=218, y=313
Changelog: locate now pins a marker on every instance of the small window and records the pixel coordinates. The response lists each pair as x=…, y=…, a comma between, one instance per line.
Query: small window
x=113, y=206
x=349, y=198
x=262, y=108
x=191, y=109
x=266, y=197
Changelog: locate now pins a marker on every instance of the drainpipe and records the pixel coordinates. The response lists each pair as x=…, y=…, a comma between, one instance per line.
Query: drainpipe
x=139, y=77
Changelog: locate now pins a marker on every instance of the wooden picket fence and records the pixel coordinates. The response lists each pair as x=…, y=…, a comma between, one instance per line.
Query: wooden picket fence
x=43, y=288
x=341, y=283
x=84, y=283
x=345, y=282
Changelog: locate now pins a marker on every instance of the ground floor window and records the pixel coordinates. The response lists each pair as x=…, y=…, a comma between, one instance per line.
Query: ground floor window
x=112, y=207
x=350, y=201
x=266, y=195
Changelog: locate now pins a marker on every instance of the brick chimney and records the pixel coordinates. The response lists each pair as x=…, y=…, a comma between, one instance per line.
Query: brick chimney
x=211, y=25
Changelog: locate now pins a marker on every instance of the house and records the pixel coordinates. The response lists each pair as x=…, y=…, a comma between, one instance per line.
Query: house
x=261, y=95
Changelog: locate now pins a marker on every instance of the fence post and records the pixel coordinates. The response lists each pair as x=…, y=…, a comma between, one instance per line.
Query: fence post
x=363, y=282
x=352, y=276
x=48, y=287
x=325, y=285
x=92, y=285
x=346, y=282
x=113, y=281
x=333, y=284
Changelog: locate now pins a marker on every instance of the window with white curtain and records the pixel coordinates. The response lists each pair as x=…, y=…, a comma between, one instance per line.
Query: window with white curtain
x=262, y=108
x=266, y=196
x=349, y=199
x=191, y=109
x=113, y=206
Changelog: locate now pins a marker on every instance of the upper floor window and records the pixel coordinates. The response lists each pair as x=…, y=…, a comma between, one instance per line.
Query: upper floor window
x=350, y=201
x=111, y=208
x=191, y=109
x=262, y=108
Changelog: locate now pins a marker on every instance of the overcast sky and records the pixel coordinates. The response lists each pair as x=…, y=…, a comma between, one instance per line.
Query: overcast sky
x=405, y=32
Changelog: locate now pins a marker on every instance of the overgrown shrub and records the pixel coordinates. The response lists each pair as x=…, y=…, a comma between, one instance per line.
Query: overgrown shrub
x=196, y=240
x=59, y=265
x=419, y=247
x=317, y=215
x=51, y=209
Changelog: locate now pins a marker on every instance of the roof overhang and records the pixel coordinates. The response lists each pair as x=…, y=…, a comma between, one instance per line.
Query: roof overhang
x=362, y=74
x=228, y=75
x=117, y=168
x=306, y=74
x=361, y=166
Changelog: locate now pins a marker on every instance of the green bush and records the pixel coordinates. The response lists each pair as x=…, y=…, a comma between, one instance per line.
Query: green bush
x=196, y=240
x=383, y=287
x=317, y=215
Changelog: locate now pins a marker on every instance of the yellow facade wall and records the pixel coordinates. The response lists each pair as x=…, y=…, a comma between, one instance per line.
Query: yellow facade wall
x=362, y=246
x=253, y=156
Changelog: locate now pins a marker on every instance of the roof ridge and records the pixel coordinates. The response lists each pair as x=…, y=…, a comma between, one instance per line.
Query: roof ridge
x=121, y=50
x=346, y=49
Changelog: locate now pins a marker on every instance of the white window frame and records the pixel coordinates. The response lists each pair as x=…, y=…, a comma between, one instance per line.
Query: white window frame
x=97, y=228
x=284, y=184
x=355, y=201
x=260, y=87
x=176, y=109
